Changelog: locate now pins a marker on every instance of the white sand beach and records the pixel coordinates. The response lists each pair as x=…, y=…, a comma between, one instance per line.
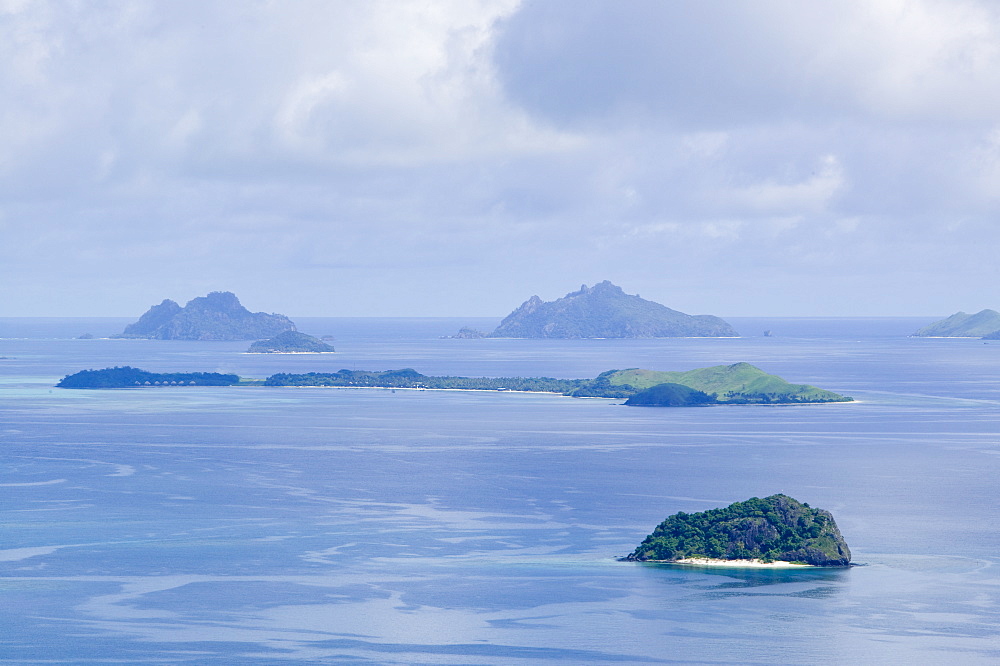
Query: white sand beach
x=709, y=562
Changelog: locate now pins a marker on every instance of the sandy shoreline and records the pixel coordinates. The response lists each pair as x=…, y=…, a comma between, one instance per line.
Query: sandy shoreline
x=708, y=562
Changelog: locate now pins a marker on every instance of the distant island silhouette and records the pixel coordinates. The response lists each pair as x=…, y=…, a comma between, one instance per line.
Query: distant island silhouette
x=291, y=342
x=603, y=311
x=217, y=316
x=983, y=324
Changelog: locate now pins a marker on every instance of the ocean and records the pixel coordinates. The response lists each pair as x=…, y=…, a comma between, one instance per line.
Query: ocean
x=254, y=525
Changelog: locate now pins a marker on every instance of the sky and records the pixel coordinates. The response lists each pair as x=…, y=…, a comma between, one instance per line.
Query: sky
x=455, y=157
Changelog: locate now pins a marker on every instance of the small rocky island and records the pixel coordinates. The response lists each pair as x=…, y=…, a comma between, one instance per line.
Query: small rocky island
x=291, y=342
x=983, y=324
x=758, y=531
x=467, y=333
x=217, y=316
x=605, y=311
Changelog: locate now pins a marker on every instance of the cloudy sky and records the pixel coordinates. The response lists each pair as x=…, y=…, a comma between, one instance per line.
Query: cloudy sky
x=454, y=157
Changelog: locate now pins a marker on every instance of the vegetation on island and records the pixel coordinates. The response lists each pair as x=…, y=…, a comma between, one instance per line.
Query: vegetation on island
x=290, y=342
x=962, y=325
x=217, y=316
x=128, y=377
x=670, y=395
x=605, y=311
x=773, y=528
x=740, y=383
x=410, y=378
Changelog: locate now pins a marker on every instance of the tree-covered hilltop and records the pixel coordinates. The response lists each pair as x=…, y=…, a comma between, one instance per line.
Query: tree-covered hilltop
x=963, y=325
x=290, y=342
x=774, y=528
x=605, y=311
x=128, y=377
x=217, y=316
x=670, y=395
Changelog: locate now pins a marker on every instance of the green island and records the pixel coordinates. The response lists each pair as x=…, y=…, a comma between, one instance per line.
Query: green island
x=740, y=383
x=129, y=377
x=773, y=529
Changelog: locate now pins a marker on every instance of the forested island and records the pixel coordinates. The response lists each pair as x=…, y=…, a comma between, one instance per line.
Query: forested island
x=737, y=384
x=128, y=377
x=775, y=528
x=217, y=316
x=605, y=311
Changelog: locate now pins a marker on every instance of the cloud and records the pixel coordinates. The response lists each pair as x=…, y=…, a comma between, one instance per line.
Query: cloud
x=453, y=157
x=698, y=65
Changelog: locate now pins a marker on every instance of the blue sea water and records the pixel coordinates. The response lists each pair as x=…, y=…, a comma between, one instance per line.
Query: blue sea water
x=306, y=525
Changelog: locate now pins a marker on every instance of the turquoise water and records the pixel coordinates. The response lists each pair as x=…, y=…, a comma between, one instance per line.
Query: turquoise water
x=259, y=525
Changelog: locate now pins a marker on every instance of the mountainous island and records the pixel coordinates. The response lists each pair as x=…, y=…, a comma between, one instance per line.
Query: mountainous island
x=605, y=311
x=737, y=384
x=291, y=342
x=217, y=316
x=963, y=325
x=776, y=528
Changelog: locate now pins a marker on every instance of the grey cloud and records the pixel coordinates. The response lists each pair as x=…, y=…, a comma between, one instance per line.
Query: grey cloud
x=704, y=65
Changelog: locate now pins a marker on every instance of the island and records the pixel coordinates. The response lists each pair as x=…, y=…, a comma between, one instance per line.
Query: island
x=129, y=377
x=291, y=342
x=605, y=311
x=962, y=325
x=217, y=316
x=775, y=529
x=466, y=333
x=737, y=384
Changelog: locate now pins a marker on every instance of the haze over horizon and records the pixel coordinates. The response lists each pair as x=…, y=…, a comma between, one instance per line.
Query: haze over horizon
x=454, y=158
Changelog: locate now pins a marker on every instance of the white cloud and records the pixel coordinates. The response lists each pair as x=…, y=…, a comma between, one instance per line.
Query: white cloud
x=203, y=145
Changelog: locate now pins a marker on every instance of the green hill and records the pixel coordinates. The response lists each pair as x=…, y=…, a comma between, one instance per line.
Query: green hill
x=963, y=325
x=737, y=383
